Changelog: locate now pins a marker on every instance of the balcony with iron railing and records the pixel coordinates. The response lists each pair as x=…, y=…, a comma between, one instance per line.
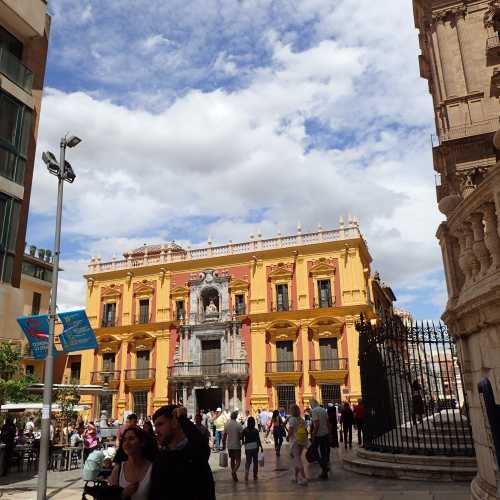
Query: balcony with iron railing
x=108, y=322
x=228, y=369
x=284, y=307
x=110, y=378
x=466, y=130
x=15, y=70
x=140, y=378
x=323, y=304
x=284, y=371
x=143, y=319
x=329, y=369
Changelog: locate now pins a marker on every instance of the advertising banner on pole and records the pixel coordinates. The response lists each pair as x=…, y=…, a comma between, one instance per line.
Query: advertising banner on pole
x=78, y=334
x=36, y=330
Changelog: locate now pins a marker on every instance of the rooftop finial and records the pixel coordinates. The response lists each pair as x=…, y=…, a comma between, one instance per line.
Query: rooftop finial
x=299, y=227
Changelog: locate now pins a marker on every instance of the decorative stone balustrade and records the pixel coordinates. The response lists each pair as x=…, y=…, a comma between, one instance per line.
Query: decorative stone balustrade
x=471, y=239
x=349, y=231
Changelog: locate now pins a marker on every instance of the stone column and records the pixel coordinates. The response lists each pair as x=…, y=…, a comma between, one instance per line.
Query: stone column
x=226, y=396
x=193, y=400
x=243, y=398
x=184, y=395
x=478, y=247
x=491, y=238
x=235, y=395
x=467, y=52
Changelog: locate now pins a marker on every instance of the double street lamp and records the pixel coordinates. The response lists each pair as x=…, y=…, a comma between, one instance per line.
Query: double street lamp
x=64, y=172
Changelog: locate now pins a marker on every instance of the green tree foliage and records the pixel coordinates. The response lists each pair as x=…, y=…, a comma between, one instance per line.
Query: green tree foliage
x=14, y=382
x=67, y=398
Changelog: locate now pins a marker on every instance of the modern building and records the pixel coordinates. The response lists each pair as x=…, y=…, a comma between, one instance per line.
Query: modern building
x=24, y=28
x=261, y=324
x=460, y=58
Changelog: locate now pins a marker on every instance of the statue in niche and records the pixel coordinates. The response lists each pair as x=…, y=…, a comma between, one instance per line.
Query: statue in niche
x=211, y=308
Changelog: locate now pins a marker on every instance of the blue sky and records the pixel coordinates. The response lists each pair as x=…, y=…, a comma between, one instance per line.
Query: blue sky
x=221, y=118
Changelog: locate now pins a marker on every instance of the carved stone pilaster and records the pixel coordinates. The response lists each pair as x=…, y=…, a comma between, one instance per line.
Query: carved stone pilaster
x=478, y=246
x=472, y=263
x=491, y=237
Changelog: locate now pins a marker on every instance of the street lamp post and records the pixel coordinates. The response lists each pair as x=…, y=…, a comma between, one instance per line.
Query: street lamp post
x=64, y=172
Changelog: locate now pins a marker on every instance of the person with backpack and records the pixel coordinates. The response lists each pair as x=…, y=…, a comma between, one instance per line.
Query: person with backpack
x=251, y=440
x=298, y=437
x=278, y=429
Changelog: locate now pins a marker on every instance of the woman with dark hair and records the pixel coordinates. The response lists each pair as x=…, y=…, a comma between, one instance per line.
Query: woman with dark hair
x=134, y=460
x=251, y=440
x=279, y=432
x=148, y=429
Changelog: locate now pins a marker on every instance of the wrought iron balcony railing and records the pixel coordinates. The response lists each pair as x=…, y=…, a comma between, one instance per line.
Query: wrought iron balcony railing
x=330, y=302
x=283, y=366
x=105, y=377
x=143, y=319
x=282, y=307
x=231, y=368
x=239, y=310
x=328, y=364
x=107, y=322
x=140, y=374
x=15, y=70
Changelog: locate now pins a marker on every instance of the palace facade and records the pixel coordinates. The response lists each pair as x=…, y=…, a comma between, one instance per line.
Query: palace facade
x=261, y=324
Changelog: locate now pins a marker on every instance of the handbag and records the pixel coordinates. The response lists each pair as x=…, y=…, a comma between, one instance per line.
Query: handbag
x=101, y=490
x=311, y=454
x=223, y=459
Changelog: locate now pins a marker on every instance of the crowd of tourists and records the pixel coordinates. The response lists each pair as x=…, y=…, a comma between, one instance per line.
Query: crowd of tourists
x=173, y=448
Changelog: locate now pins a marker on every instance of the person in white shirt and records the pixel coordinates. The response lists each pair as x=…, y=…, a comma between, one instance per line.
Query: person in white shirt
x=232, y=436
x=320, y=436
x=29, y=428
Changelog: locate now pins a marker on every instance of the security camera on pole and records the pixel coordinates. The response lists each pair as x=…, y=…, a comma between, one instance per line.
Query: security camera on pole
x=64, y=172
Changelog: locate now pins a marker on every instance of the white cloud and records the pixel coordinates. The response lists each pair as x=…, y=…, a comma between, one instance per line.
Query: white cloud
x=225, y=162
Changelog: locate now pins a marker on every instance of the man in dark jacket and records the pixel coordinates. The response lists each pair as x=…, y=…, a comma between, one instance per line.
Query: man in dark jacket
x=181, y=470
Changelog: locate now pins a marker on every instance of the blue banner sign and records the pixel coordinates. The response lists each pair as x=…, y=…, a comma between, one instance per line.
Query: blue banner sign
x=78, y=334
x=36, y=330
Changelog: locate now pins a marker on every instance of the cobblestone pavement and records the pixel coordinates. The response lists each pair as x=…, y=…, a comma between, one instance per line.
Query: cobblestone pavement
x=273, y=484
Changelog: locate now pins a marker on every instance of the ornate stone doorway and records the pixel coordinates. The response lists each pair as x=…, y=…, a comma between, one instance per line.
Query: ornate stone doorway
x=209, y=399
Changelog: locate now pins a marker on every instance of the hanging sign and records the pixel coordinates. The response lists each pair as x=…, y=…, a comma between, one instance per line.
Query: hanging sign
x=36, y=330
x=78, y=334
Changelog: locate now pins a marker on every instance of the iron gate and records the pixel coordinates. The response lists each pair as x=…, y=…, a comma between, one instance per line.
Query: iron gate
x=412, y=390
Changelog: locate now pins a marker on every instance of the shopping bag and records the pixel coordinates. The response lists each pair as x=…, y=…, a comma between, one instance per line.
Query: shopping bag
x=223, y=459
x=311, y=454
x=261, y=459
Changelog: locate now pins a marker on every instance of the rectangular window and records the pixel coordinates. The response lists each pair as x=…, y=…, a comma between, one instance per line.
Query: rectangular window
x=284, y=355
x=324, y=293
x=142, y=367
x=109, y=314
x=329, y=354
x=11, y=43
x=35, y=303
x=286, y=397
x=180, y=313
x=30, y=370
x=144, y=311
x=9, y=111
x=140, y=403
x=9, y=224
x=75, y=373
x=330, y=393
x=108, y=362
x=106, y=404
x=282, y=297
x=239, y=304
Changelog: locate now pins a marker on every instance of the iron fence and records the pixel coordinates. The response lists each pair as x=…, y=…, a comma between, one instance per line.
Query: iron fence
x=412, y=390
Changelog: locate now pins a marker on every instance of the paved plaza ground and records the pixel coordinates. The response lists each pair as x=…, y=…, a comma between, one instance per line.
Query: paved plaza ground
x=273, y=484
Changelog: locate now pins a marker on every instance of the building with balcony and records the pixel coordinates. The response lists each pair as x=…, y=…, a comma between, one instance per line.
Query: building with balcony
x=24, y=28
x=260, y=324
x=460, y=58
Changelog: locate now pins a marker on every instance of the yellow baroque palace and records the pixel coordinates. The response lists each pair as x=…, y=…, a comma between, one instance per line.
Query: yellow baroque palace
x=261, y=324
